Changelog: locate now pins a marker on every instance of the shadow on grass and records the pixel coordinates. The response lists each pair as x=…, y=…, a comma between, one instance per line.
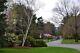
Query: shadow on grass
x=1, y=51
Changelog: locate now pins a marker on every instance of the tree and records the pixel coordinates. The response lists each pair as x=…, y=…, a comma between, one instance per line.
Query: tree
x=40, y=24
x=2, y=21
x=49, y=28
x=63, y=8
x=18, y=19
x=31, y=5
x=2, y=16
x=76, y=11
x=70, y=16
x=33, y=31
x=24, y=22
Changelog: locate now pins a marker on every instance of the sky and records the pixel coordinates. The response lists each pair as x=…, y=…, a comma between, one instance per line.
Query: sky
x=46, y=10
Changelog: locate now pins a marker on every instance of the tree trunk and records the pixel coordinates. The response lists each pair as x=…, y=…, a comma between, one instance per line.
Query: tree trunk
x=24, y=37
x=76, y=29
x=76, y=38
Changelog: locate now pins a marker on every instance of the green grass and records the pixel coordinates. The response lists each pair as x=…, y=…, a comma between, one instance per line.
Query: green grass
x=70, y=41
x=39, y=50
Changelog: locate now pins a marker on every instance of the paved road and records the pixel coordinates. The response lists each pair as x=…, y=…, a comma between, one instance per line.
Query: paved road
x=57, y=43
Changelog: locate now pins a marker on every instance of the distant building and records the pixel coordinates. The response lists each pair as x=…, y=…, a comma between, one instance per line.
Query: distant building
x=48, y=35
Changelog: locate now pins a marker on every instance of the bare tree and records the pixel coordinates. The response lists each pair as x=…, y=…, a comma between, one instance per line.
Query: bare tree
x=62, y=11
x=76, y=11
x=68, y=9
x=62, y=8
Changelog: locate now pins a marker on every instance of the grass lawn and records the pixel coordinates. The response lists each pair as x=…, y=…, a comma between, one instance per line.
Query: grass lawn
x=70, y=41
x=39, y=50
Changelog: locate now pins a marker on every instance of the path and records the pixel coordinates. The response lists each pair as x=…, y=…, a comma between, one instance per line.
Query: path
x=57, y=43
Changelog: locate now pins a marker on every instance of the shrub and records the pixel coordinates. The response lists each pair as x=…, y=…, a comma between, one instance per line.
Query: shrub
x=40, y=43
x=3, y=42
x=12, y=39
x=28, y=41
x=35, y=43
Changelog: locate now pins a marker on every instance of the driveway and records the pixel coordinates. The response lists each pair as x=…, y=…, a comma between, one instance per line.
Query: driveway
x=57, y=43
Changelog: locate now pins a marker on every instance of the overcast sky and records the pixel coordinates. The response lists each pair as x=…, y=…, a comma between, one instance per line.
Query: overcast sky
x=46, y=10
